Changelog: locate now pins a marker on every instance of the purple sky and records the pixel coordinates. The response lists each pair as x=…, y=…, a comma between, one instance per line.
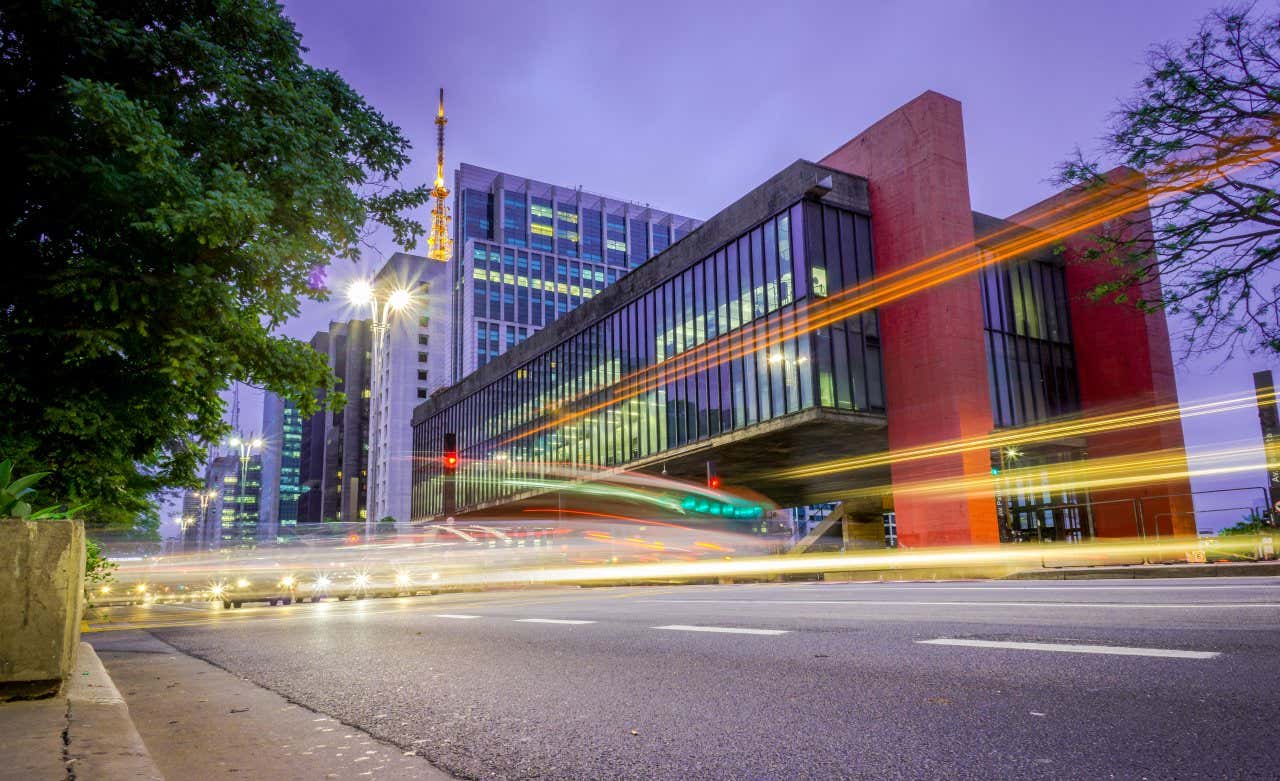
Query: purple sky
x=689, y=105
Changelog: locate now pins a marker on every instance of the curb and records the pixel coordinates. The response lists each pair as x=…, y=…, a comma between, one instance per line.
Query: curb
x=101, y=740
x=1139, y=572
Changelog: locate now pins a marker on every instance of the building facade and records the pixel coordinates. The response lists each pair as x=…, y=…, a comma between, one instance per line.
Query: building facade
x=412, y=360
x=281, y=468
x=527, y=252
x=311, y=451
x=849, y=308
x=333, y=445
x=189, y=521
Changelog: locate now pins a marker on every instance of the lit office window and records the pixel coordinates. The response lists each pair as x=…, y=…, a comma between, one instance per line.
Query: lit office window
x=541, y=224
x=567, y=229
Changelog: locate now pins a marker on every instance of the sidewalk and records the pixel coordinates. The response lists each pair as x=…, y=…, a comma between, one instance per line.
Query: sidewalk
x=201, y=721
x=85, y=733
x=1228, y=570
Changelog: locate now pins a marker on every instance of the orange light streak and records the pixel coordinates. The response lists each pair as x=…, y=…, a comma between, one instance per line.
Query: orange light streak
x=1127, y=419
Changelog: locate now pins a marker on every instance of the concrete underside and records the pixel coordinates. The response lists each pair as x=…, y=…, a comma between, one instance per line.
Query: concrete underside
x=752, y=458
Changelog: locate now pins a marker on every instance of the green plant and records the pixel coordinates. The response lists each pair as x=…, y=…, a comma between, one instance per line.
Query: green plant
x=16, y=495
x=98, y=570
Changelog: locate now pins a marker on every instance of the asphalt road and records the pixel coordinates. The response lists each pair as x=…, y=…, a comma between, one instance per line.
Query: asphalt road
x=1153, y=679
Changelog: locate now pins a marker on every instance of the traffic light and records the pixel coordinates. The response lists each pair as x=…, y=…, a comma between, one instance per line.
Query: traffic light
x=450, y=459
x=713, y=479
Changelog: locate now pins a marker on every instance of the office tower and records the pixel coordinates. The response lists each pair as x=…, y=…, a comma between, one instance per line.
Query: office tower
x=527, y=252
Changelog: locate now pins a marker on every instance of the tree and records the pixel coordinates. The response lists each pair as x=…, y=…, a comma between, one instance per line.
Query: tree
x=1253, y=523
x=1213, y=99
x=173, y=176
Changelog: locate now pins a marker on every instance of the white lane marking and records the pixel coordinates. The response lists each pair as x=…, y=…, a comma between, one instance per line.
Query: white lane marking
x=890, y=602
x=728, y=629
x=452, y=615
x=1114, y=650
x=553, y=621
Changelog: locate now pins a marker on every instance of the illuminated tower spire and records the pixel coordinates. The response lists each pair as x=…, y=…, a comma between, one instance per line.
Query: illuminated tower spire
x=439, y=243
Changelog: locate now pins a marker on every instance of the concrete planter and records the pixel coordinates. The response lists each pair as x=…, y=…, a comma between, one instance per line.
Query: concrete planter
x=41, y=601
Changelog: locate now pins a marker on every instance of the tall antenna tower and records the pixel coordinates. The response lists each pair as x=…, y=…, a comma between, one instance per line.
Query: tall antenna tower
x=439, y=243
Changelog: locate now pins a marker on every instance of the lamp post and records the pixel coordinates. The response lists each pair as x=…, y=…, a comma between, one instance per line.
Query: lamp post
x=382, y=305
x=246, y=446
x=205, y=497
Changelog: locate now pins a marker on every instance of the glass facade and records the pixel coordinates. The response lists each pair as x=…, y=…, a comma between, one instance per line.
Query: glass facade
x=477, y=215
x=290, y=463
x=1030, y=361
x=239, y=517
x=592, y=235
x=552, y=249
x=638, y=377
x=542, y=229
x=514, y=218
x=638, y=248
x=1031, y=374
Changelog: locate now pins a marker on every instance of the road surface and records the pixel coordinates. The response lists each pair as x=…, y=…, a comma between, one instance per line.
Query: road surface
x=1096, y=679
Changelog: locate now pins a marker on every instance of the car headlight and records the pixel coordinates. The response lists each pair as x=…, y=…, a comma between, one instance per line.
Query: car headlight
x=287, y=581
x=242, y=583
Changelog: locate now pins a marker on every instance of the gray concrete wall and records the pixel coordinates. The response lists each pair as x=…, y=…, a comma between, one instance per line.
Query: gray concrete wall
x=41, y=601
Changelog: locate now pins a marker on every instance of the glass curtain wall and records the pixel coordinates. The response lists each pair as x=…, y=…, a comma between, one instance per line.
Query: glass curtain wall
x=701, y=354
x=1032, y=378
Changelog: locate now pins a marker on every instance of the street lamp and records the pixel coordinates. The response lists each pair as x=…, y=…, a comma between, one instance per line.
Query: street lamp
x=205, y=497
x=246, y=446
x=382, y=305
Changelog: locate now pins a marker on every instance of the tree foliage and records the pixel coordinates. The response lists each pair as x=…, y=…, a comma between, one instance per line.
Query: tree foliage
x=173, y=175
x=1203, y=105
x=1253, y=523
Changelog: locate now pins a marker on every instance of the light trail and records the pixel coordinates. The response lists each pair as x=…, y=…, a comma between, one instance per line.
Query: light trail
x=1034, y=233
x=891, y=564
x=1097, y=474
x=1047, y=432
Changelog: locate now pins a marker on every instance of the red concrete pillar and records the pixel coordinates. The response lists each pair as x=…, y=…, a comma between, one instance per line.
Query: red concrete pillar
x=1123, y=361
x=935, y=365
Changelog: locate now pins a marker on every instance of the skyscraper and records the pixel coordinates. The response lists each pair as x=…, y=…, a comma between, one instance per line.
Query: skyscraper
x=281, y=460
x=333, y=445
x=527, y=252
x=413, y=360
x=311, y=460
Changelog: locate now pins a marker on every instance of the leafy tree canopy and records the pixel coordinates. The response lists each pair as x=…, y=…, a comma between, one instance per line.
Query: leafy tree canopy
x=173, y=174
x=1203, y=107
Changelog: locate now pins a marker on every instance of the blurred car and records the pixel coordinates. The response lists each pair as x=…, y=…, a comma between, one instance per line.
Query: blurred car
x=273, y=591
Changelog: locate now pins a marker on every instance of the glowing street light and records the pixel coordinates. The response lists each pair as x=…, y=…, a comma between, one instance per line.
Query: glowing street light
x=382, y=305
x=360, y=292
x=246, y=445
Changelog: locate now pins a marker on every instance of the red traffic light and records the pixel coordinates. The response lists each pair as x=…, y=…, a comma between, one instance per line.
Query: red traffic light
x=713, y=481
x=451, y=460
